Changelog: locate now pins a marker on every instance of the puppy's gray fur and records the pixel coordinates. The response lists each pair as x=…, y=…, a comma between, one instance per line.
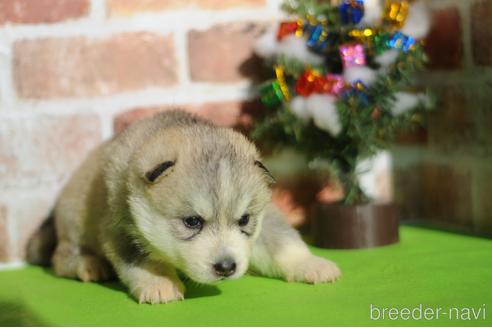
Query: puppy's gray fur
x=122, y=212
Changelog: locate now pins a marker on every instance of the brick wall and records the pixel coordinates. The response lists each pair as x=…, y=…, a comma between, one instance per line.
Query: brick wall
x=74, y=71
x=443, y=173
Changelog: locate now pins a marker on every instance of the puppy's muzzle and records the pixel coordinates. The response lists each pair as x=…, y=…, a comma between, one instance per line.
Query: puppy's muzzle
x=225, y=267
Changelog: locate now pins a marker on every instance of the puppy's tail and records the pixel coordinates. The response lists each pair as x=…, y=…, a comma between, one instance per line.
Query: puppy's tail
x=42, y=243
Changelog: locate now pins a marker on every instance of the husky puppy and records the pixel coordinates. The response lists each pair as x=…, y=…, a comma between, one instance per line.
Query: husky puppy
x=169, y=193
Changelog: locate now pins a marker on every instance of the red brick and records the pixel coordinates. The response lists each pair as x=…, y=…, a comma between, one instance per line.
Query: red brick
x=481, y=34
x=452, y=125
x=483, y=108
x=408, y=191
x=78, y=67
x=131, y=7
x=124, y=119
x=417, y=136
x=230, y=113
x=440, y=193
x=222, y=53
x=221, y=113
x=447, y=194
x=444, y=44
x=482, y=194
x=4, y=237
x=41, y=11
x=44, y=148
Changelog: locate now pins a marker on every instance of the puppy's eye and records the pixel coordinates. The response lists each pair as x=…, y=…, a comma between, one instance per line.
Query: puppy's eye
x=193, y=222
x=244, y=220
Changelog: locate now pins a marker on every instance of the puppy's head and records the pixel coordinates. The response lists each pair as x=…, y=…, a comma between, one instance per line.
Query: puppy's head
x=198, y=197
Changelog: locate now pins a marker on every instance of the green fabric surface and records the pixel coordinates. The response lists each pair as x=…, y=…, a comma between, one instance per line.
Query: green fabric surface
x=433, y=268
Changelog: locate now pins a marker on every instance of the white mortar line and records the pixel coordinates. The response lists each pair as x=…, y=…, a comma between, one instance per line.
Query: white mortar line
x=195, y=93
x=96, y=26
x=181, y=55
x=98, y=15
x=26, y=185
x=12, y=235
x=97, y=11
x=193, y=19
x=474, y=75
x=106, y=120
x=169, y=21
x=7, y=93
x=12, y=265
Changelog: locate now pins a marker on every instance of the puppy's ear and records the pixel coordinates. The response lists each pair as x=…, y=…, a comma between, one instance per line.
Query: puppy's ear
x=270, y=178
x=158, y=170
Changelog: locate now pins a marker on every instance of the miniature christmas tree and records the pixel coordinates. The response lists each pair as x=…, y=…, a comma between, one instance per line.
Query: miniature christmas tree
x=341, y=71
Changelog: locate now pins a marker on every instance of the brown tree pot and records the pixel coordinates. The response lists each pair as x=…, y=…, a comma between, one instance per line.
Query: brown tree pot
x=354, y=226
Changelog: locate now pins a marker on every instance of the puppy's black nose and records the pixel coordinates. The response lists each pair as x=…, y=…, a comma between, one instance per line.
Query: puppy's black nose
x=225, y=268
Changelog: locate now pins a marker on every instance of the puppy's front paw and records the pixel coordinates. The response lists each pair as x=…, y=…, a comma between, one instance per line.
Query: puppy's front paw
x=155, y=290
x=313, y=269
